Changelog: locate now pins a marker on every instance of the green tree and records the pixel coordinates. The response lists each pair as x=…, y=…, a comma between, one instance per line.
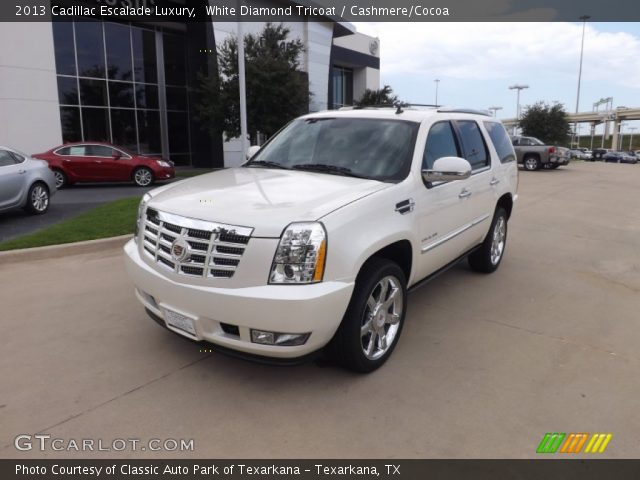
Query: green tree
x=383, y=96
x=277, y=89
x=546, y=122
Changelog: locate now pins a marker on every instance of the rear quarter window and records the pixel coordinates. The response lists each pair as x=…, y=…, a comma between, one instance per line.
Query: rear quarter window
x=501, y=141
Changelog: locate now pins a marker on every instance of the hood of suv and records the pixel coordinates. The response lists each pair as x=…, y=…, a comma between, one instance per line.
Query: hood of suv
x=265, y=199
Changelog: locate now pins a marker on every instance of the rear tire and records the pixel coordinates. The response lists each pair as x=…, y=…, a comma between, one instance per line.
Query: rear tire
x=38, y=199
x=531, y=163
x=61, y=179
x=487, y=258
x=374, y=318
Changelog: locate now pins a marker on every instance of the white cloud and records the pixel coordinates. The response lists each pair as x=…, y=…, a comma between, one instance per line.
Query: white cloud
x=504, y=50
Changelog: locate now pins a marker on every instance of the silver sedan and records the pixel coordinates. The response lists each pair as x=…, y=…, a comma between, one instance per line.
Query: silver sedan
x=24, y=182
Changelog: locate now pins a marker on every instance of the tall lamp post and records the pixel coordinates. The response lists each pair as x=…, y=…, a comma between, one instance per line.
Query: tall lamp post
x=517, y=87
x=584, y=19
x=494, y=110
x=631, y=129
x=437, y=82
x=242, y=91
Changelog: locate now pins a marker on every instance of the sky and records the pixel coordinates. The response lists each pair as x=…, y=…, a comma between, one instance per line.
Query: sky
x=477, y=62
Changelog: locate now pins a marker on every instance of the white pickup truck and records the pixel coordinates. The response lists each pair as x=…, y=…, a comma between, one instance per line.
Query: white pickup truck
x=312, y=244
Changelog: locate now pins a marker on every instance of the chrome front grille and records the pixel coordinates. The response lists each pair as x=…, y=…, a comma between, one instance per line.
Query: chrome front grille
x=193, y=247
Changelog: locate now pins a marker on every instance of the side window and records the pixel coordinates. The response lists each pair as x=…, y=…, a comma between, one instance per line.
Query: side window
x=500, y=141
x=6, y=159
x=525, y=142
x=77, y=150
x=16, y=157
x=63, y=151
x=99, y=151
x=441, y=142
x=475, y=151
x=515, y=141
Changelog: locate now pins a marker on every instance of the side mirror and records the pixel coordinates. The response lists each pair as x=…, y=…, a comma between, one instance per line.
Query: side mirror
x=116, y=155
x=251, y=151
x=448, y=169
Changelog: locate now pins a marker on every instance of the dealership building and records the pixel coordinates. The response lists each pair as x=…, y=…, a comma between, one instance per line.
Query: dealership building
x=134, y=84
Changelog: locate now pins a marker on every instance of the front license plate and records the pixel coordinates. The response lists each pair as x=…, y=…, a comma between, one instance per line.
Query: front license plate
x=179, y=321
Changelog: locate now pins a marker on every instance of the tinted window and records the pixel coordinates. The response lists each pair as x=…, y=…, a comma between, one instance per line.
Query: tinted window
x=118, y=41
x=473, y=145
x=441, y=142
x=500, y=141
x=6, y=159
x=93, y=92
x=121, y=94
x=147, y=96
x=67, y=90
x=90, y=49
x=17, y=158
x=372, y=148
x=95, y=122
x=99, y=151
x=149, y=131
x=70, y=120
x=63, y=46
x=123, y=126
x=144, y=56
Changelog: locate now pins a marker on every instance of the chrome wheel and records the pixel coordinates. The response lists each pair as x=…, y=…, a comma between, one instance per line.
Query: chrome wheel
x=381, y=318
x=498, y=240
x=39, y=198
x=531, y=163
x=143, y=177
x=59, y=178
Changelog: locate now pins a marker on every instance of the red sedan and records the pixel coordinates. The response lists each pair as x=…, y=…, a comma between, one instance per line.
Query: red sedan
x=103, y=162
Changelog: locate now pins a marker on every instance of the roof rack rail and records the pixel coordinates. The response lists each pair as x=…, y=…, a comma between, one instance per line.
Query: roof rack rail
x=473, y=111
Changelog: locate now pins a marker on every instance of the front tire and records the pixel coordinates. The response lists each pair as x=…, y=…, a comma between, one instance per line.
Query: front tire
x=374, y=318
x=487, y=258
x=531, y=163
x=143, y=177
x=38, y=199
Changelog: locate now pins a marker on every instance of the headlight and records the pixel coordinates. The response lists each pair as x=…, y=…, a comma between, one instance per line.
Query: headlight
x=164, y=164
x=301, y=253
x=141, y=209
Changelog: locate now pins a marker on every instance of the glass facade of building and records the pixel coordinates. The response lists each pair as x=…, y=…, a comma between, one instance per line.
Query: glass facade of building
x=342, y=83
x=124, y=84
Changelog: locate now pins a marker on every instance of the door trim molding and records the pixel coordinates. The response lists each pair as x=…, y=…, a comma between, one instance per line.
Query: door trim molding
x=454, y=233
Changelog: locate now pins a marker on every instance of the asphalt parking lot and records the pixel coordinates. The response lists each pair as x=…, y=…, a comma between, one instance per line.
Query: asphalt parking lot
x=66, y=203
x=485, y=367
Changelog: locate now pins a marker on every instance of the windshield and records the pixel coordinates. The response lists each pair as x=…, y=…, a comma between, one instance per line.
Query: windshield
x=362, y=147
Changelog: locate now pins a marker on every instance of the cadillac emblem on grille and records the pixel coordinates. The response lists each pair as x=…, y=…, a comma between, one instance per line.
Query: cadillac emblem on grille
x=180, y=250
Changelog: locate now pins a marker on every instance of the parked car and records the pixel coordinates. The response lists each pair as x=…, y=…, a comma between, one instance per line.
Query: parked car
x=104, y=162
x=619, y=157
x=313, y=243
x=533, y=154
x=580, y=154
x=599, y=153
x=24, y=182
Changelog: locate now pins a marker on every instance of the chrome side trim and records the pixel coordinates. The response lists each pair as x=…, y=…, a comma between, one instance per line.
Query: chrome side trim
x=454, y=233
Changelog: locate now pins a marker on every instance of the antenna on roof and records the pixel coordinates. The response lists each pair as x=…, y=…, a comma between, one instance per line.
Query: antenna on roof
x=399, y=109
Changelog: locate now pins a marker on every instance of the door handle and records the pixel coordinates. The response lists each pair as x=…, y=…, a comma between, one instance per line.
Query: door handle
x=464, y=193
x=22, y=172
x=494, y=181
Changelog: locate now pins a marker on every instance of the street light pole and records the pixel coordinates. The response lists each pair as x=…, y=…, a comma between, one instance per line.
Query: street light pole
x=437, y=81
x=494, y=110
x=631, y=129
x=518, y=88
x=584, y=19
x=243, y=91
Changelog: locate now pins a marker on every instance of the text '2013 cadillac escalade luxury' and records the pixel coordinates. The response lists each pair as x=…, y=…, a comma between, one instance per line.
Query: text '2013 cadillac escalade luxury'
x=312, y=244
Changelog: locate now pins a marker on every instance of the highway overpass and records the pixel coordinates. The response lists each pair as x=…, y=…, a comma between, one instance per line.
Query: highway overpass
x=616, y=116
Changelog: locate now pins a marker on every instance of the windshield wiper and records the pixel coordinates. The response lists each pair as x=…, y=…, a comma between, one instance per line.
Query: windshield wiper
x=324, y=168
x=266, y=164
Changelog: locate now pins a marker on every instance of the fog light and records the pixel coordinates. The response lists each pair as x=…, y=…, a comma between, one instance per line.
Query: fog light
x=280, y=339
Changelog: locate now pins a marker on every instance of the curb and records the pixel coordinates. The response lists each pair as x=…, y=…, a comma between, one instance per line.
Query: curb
x=64, y=250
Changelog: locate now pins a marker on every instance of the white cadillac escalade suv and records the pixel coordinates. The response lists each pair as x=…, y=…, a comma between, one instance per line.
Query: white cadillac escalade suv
x=312, y=244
